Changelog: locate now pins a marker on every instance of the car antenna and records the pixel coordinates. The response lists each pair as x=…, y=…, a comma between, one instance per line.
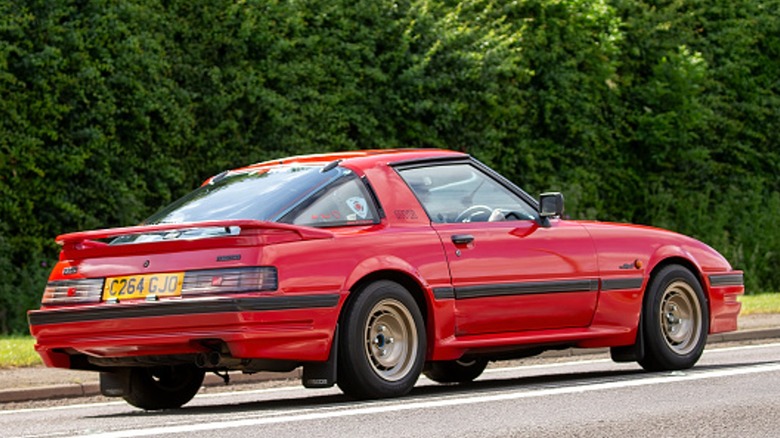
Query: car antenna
x=330, y=166
x=219, y=177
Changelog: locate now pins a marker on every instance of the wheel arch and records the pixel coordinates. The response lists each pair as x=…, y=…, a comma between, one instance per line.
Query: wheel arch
x=659, y=346
x=323, y=375
x=358, y=367
x=405, y=279
x=685, y=263
x=672, y=256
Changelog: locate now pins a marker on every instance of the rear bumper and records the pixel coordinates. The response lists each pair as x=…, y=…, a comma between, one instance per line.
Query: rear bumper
x=295, y=328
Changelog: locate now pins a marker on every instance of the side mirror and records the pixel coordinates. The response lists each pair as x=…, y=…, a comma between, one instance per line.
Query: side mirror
x=550, y=204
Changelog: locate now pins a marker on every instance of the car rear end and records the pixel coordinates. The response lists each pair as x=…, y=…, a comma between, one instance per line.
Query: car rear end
x=172, y=301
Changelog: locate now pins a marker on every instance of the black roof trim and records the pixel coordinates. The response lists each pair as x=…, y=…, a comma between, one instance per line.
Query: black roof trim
x=422, y=162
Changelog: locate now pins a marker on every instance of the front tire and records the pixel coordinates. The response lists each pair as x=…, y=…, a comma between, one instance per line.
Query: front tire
x=456, y=371
x=675, y=320
x=382, y=346
x=162, y=387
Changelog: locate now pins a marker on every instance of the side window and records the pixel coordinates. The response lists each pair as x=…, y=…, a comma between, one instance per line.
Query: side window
x=463, y=193
x=344, y=202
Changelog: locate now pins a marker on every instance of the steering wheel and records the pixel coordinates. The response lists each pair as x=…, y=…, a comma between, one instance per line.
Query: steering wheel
x=471, y=212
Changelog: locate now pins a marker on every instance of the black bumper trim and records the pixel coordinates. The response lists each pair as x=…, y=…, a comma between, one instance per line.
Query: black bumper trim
x=727, y=280
x=178, y=308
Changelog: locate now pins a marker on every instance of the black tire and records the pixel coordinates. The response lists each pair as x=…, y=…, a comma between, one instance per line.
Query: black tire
x=675, y=320
x=382, y=343
x=455, y=371
x=163, y=387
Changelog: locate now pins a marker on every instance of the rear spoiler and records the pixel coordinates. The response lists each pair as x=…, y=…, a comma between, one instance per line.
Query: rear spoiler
x=244, y=226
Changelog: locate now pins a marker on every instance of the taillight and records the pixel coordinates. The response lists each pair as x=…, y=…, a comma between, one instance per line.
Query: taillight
x=204, y=282
x=214, y=281
x=73, y=291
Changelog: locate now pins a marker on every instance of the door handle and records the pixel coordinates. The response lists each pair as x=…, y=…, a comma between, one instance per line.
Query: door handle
x=462, y=239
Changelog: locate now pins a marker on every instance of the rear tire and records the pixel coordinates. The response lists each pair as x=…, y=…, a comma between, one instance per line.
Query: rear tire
x=455, y=371
x=382, y=346
x=675, y=320
x=162, y=387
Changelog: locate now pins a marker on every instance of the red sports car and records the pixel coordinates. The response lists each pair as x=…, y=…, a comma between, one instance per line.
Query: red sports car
x=368, y=268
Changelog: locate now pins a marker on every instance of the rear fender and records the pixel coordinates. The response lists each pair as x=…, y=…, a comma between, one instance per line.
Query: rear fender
x=439, y=314
x=383, y=263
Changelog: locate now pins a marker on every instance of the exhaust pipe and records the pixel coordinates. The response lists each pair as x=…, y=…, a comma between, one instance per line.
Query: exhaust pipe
x=207, y=360
x=214, y=359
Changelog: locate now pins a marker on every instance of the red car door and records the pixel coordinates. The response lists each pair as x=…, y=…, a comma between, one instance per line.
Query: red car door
x=516, y=275
x=510, y=270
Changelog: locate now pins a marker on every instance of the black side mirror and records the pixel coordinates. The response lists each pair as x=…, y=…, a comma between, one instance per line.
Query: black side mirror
x=550, y=204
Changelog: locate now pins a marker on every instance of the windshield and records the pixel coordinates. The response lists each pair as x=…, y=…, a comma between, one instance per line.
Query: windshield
x=261, y=194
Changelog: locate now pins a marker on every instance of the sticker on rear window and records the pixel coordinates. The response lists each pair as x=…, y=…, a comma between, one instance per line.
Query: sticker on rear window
x=358, y=205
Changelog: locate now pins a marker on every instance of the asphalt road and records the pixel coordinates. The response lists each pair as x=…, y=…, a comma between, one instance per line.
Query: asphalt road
x=733, y=391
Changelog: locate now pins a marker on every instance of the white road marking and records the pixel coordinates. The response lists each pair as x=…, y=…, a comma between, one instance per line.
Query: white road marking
x=742, y=348
x=542, y=366
x=707, y=352
x=62, y=408
x=251, y=391
x=297, y=387
x=405, y=405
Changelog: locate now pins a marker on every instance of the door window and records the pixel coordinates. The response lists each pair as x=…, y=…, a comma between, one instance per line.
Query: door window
x=462, y=193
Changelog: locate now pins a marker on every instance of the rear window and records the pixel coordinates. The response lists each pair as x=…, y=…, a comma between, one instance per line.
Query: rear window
x=293, y=194
x=265, y=194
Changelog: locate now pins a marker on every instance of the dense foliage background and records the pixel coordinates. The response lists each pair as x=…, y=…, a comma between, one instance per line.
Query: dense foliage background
x=656, y=112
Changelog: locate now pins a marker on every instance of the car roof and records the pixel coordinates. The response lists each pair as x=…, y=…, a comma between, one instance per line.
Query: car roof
x=359, y=159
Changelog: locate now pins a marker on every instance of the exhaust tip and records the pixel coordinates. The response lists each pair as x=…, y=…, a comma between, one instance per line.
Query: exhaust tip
x=211, y=359
x=214, y=359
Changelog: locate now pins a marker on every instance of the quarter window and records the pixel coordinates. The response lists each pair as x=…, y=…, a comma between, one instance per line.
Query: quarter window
x=344, y=202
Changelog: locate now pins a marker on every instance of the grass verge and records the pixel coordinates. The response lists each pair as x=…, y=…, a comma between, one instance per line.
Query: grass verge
x=18, y=351
x=761, y=303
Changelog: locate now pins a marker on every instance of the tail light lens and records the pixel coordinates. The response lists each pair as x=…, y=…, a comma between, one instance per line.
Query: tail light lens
x=73, y=291
x=215, y=281
x=204, y=282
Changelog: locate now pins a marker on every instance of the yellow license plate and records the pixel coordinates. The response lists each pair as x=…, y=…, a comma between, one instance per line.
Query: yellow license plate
x=141, y=286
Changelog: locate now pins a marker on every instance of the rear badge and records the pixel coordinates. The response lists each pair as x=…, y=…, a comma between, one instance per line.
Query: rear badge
x=229, y=258
x=70, y=270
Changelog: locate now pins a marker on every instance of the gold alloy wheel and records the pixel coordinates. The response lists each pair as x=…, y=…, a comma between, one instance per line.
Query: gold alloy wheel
x=681, y=317
x=391, y=340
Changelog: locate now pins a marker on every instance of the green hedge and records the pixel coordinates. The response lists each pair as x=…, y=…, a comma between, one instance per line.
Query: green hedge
x=663, y=113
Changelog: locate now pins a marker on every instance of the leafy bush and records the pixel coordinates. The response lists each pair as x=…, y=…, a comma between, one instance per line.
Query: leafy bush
x=657, y=112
